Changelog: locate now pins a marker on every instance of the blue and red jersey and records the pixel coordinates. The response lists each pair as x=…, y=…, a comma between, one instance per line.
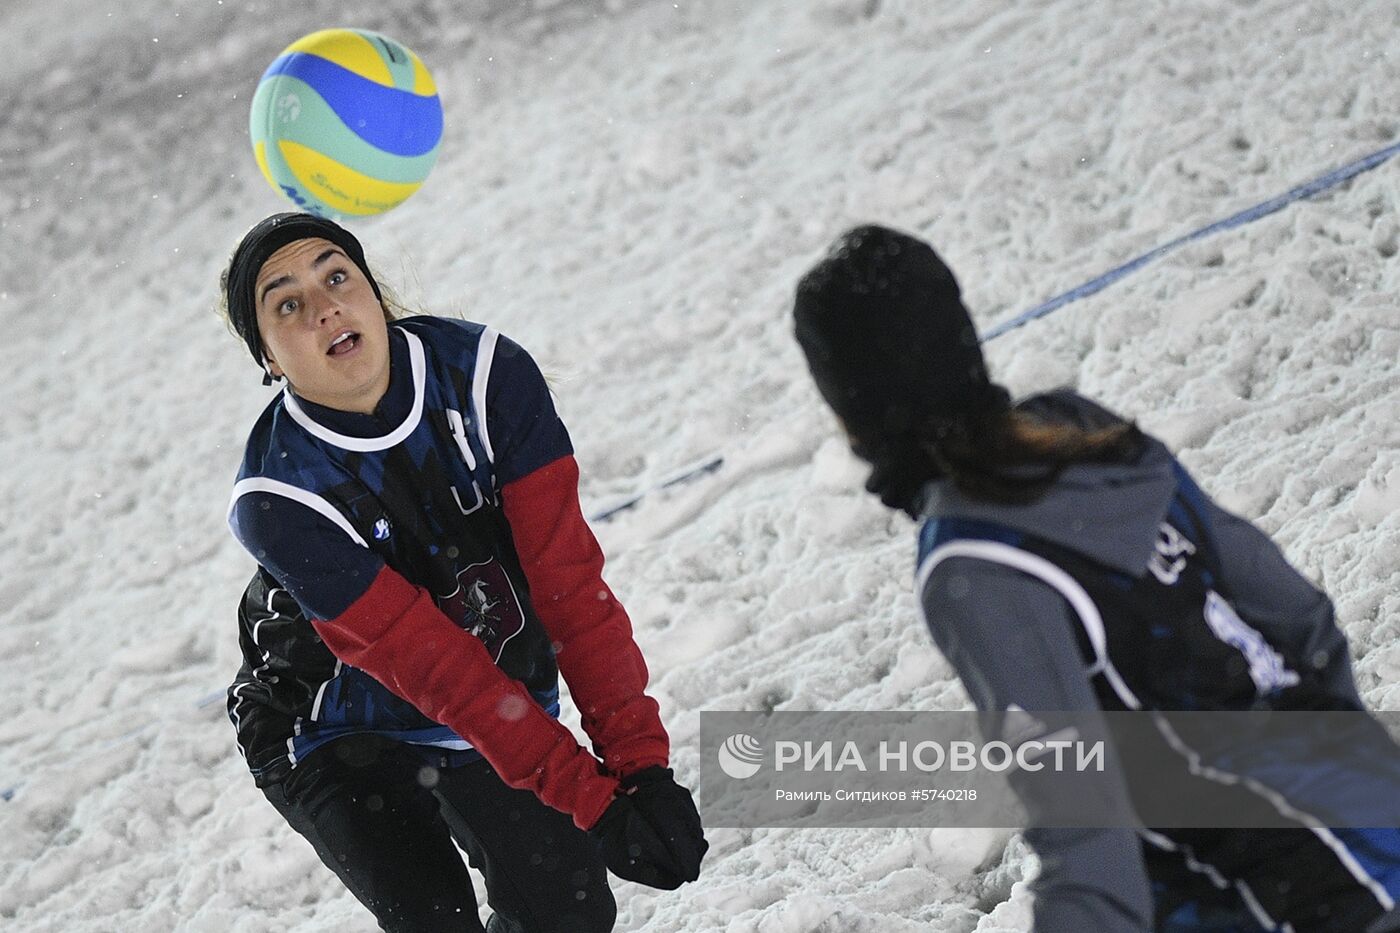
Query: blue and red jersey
x=425, y=573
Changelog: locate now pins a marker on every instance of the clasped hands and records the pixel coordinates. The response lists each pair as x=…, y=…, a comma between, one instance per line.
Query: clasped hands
x=651, y=832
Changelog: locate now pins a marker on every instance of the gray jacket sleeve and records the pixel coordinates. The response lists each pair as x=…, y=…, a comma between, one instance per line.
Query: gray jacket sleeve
x=1012, y=639
x=1273, y=597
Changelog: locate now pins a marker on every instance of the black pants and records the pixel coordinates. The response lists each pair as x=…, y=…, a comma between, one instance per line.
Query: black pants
x=385, y=824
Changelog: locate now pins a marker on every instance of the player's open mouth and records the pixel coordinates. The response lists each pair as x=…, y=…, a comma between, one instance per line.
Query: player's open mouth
x=344, y=344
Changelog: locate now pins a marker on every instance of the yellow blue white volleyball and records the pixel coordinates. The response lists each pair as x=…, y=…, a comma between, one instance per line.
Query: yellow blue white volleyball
x=346, y=122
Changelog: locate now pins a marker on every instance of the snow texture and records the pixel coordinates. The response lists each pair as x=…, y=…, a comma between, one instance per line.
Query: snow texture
x=631, y=189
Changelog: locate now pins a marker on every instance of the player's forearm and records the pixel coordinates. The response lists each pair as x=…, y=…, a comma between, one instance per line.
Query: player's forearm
x=396, y=634
x=592, y=634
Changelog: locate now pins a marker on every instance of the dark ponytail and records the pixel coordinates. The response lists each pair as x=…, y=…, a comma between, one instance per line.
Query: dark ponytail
x=1011, y=457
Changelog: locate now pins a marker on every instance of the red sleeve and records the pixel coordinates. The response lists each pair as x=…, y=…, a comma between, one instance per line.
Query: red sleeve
x=397, y=635
x=589, y=628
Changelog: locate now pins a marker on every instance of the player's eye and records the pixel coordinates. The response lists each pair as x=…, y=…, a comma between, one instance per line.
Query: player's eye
x=289, y=306
x=336, y=277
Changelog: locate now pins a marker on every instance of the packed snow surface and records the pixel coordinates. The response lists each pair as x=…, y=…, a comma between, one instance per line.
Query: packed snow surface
x=630, y=189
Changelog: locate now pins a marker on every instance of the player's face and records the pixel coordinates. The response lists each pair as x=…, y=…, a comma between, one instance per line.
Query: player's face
x=322, y=327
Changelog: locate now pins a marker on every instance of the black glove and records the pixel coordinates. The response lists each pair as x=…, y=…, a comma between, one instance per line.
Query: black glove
x=651, y=833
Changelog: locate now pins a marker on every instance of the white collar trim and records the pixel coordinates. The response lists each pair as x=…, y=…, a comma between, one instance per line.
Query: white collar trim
x=364, y=444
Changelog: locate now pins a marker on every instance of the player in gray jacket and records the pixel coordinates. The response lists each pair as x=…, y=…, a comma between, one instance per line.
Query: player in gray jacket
x=1067, y=562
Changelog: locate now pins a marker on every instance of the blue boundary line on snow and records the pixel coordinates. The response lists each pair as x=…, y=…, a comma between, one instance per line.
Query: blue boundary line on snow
x=1307, y=190
x=708, y=465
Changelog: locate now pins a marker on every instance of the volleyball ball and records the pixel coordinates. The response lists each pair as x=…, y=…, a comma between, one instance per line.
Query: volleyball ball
x=346, y=122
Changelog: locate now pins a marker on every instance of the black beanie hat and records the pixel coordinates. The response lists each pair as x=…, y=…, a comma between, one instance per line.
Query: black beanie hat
x=888, y=341
x=257, y=245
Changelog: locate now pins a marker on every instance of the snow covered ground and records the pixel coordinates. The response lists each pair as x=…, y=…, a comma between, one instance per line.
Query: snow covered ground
x=630, y=188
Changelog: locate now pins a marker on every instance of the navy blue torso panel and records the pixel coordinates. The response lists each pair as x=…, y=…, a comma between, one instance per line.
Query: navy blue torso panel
x=1166, y=639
